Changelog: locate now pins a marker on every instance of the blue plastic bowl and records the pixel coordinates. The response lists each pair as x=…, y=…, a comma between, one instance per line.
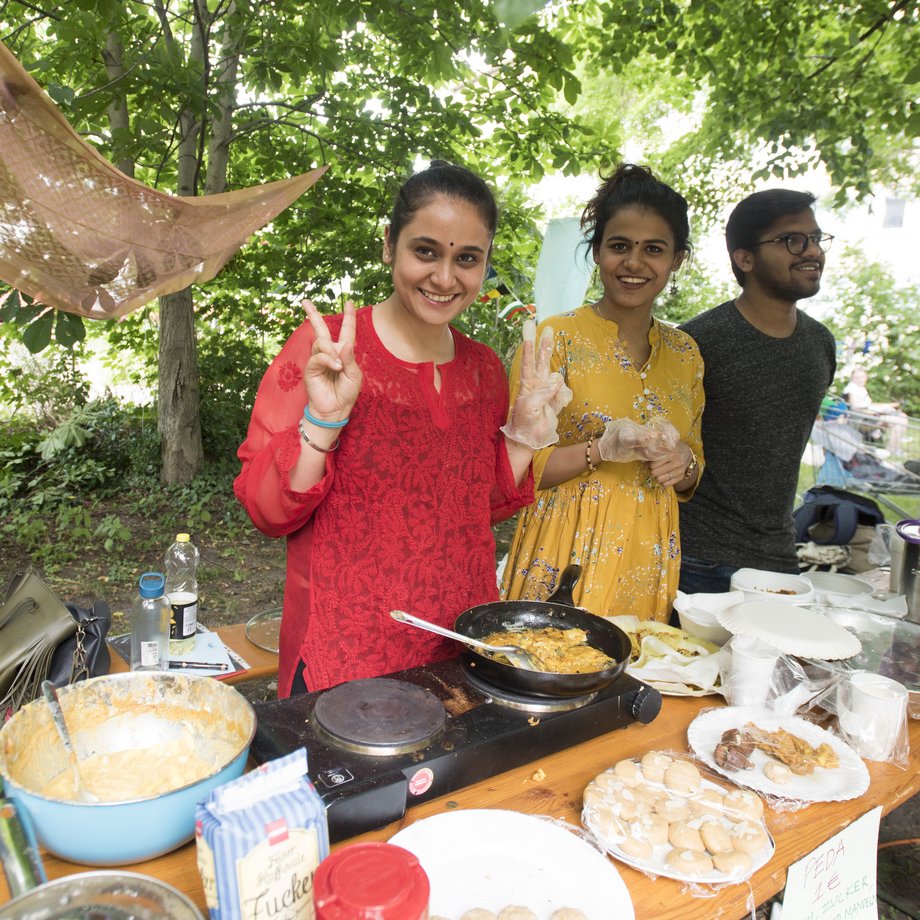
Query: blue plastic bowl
x=124, y=712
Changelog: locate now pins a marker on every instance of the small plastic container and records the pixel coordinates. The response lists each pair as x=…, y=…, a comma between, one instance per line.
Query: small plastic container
x=371, y=881
x=150, y=625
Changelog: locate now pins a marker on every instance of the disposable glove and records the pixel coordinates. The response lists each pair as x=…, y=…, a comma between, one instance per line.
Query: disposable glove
x=541, y=396
x=624, y=440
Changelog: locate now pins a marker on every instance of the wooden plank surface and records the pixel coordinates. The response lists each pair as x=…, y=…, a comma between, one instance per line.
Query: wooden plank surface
x=557, y=793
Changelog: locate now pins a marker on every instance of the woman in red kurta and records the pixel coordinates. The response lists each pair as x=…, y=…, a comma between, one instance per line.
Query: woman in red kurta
x=375, y=448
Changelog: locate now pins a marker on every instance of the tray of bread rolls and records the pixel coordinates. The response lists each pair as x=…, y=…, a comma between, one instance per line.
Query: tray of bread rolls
x=660, y=814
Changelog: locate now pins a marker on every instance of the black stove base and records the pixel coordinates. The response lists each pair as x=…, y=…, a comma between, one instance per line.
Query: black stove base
x=483, y=738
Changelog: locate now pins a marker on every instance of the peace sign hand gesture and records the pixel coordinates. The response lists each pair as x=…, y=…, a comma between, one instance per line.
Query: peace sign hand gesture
x=541, y=396
x=332, y=375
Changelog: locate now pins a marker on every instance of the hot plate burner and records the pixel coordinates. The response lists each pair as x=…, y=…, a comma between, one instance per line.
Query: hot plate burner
x=379, y=716
x=522, y=702
x=470, y=736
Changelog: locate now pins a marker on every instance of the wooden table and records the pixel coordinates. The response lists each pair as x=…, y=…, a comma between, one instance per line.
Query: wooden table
x=261, y=663
x=558, y=793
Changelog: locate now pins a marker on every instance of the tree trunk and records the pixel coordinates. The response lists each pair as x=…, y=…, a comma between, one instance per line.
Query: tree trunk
x=178, y=420
x=113, y=54
x=178, y=406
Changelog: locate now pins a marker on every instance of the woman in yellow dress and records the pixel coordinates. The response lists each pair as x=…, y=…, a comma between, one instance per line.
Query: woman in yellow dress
x=629, y=447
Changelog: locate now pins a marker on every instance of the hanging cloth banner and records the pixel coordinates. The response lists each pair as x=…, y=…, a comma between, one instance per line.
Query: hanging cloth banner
x=563, y=273
x=79, y=235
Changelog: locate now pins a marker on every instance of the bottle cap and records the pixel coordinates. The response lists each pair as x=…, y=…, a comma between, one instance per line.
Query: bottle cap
x=182, y=538
x=151, y=584
x=371, y=881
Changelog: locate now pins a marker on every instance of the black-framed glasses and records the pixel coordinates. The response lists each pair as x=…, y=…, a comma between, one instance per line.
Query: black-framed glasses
x=797, y=243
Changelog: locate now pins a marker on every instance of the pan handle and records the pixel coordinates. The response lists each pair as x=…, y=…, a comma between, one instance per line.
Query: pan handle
x=567, y=581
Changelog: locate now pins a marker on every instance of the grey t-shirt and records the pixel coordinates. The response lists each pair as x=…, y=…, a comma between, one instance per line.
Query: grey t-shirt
x=762, y=397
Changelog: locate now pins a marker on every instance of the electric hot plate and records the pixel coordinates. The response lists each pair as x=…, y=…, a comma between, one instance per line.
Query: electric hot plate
x=378, y=746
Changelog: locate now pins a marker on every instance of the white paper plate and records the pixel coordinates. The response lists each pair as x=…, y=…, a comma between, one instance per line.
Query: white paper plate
x=849, y=780
x=793, y=630
x=656, y=864
x=491, y=859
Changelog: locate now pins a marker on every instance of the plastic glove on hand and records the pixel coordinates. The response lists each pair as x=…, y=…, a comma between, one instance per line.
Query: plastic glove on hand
x=662, y=438
x=623, y=440
x=541, y=396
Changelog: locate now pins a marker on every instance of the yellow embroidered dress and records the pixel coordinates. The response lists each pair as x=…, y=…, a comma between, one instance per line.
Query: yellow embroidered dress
x=617, y=523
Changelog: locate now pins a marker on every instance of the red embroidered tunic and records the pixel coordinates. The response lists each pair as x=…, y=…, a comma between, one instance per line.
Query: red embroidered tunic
x=402, y=516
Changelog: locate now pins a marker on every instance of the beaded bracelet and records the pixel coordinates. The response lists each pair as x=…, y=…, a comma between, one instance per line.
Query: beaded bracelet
x=322, y=424
x=591, y=467
x=322, y=450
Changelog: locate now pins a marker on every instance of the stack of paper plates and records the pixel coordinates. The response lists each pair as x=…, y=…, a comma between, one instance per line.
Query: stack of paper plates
x=793, y=630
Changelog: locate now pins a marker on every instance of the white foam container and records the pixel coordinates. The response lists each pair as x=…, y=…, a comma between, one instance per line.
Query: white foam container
x=761, y=585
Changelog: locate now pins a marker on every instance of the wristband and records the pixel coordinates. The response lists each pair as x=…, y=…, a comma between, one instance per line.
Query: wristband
x=591, y=467
x=321, y=424
x=322, y=450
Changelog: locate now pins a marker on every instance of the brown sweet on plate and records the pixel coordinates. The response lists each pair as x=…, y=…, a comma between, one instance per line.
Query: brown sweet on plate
x=689, y=862
x=516, y=912
x=654, y=763
x=749, y=837
x=684, y=836
x=777, y=772
x=673, y=809
x=682, y=777
x=744, y=804
x=792, y=750
x=715, y=837
x=735, y=862
x=628, y=771
x=706, y=802
x=733, y=752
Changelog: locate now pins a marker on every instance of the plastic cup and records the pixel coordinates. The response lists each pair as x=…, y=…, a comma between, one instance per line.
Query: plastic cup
x=872, y=711
x=750, y=672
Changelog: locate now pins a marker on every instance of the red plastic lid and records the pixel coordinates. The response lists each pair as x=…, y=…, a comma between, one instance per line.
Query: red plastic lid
x=371, y=881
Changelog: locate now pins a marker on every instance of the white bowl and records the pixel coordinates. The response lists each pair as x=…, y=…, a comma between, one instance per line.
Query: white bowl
x=760, y=585
x=703, y=624
x=837, y=583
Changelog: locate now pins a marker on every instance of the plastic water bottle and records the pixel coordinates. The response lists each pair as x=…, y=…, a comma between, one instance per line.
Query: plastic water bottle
x=150, y=625
x=182, y=591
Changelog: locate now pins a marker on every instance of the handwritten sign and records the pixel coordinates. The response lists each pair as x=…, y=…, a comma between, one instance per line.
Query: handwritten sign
x=837, y=881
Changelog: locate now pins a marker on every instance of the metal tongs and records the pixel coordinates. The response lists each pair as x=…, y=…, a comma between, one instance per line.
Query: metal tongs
x=518, y=657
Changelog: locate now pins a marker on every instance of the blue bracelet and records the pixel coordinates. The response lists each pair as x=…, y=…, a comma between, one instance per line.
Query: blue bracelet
x=319, y=424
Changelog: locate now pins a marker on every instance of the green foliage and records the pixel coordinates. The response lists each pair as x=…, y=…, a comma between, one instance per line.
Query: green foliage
x=778, y=87
x=877, y=327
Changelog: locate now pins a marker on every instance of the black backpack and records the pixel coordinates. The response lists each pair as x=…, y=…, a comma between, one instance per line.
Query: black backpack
x=840, y=510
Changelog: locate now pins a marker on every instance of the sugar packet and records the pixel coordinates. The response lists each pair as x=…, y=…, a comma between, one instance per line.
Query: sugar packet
x=259, y=840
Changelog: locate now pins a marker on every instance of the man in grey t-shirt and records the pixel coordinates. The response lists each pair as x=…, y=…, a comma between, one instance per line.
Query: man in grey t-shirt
x=767, y=368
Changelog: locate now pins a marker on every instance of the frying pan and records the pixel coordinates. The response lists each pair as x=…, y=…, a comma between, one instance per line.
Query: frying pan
x=557, y=611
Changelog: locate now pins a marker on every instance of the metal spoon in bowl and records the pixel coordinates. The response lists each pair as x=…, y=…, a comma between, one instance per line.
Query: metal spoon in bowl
x=518, y=657
x=57, y=714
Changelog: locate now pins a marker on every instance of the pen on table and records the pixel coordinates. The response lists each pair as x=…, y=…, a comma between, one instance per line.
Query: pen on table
x=204, y=665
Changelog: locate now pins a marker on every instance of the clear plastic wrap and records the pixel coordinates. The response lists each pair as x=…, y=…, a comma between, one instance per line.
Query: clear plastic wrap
x=869, y=711
x=666, y=814
x=790, y=760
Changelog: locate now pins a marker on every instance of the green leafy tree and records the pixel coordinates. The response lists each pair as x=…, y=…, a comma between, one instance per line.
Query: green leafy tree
x=778, y=86
x=876, y=323
x=197, y=98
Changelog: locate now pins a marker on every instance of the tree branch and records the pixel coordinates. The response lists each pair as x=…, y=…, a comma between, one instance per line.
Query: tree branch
x=879, y=24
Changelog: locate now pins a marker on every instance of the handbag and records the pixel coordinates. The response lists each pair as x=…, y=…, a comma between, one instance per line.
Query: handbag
x=42, y=638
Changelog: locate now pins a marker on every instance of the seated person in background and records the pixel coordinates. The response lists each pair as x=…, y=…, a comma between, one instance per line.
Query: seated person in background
x=888, y=414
